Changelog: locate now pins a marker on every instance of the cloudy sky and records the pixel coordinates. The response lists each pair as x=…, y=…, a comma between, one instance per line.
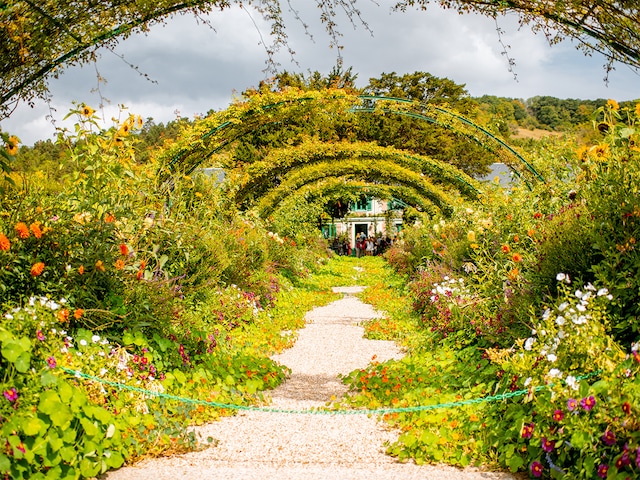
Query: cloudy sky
x=187, y=67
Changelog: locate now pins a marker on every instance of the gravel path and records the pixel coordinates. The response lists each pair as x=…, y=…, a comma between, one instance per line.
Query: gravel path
x=262, y=445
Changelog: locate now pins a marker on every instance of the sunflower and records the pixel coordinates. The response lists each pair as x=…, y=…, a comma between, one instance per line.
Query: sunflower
x=12, y=145
x=87, y=111
x=613, y=104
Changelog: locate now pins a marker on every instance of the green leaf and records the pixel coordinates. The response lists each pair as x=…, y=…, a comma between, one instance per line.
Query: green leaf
x=33, y=426
x=89, y=468
x=5, y=463
x=514, y=463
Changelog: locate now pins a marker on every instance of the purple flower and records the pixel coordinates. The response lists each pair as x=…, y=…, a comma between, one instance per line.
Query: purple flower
x=548, y=445
x=588, y=403
x=609, y=438
x=572, y=404
x=11, y=395
x=536, y=468
x=51, y=362
x=623, y=461
x=603, y=468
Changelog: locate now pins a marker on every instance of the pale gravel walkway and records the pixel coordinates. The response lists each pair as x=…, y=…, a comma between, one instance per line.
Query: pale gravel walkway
x=279, y=446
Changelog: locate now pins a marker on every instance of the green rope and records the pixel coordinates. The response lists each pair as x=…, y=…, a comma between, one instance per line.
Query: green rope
x=314, y=411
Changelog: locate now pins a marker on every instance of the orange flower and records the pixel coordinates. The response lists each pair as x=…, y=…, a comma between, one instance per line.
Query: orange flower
x=537, y=215
x=123, y=249
x=35, y=229
x=37, y=269
x=81, y=269
x=108, y=218
x=78, y=313
x=63, y=315
x=5, y=244
x=119, y=264
x=22, y=229
x=516, y=257
x=100, y=266
x=505, y=249
x=513, y=274
x=143, y=265
x=516, y=238
x=531, y=232
x=139, y=274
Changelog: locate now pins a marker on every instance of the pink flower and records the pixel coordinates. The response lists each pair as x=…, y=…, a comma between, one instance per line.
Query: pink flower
x=40, y=336
x=609, y=438
x=527, y=430
x=588, y=403
x=572, y=404
x=536, y=468
x=51, y=362
x=11, y=395
x=558, y=415
x=603, y=468
x=548, y=445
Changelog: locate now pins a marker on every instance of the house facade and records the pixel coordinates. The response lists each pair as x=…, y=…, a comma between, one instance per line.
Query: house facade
x=369, y=216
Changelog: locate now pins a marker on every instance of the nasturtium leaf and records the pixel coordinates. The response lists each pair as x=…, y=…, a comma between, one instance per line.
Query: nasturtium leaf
x=111, y=430
x=89, y=468
x=5, y=463
x=33, y=426
x=23, y=362
x=115, y=460
x=49, y=402
x=90, y=428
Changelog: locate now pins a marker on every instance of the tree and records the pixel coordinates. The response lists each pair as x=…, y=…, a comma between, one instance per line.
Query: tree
x=39, y=38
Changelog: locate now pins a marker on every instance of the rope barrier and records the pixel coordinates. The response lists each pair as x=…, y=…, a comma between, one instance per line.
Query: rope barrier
x=315, y=411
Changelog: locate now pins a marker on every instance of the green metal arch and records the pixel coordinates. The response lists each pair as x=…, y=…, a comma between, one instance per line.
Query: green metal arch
x=370, y=171
x=231, y=130
x=283, y=161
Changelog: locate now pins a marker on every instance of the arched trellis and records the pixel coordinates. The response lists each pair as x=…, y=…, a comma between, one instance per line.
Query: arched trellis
x=333, y=188
x=257, y=178
x=216, y=132
x=372, y=171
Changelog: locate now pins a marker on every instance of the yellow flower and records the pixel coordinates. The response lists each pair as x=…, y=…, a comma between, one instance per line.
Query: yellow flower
x=87, y=111
x=601, y=151
x=12, y=145
x=638, y=109
x=613, y=104
x=471, y=236
x=100, y=266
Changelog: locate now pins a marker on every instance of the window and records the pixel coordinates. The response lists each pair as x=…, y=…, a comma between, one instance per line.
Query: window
x=364, y=204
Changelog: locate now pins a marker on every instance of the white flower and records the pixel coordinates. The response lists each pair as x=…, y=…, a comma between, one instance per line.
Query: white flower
x=529, y=343
x=563, y=306
x=83, y=342
x=581, y=320
x=560, y=334
x=560, y=320
x=552, y=358
x=103, y=371
x=578, y=294
x=561, y=277
x=546, y=314
x=581, y=308
x=95, y=338
x=554, y=372
x=527, y=381
x=8, y=316
x=602, y=292
x=572, y=382
x=609, y=297
x=590, y=287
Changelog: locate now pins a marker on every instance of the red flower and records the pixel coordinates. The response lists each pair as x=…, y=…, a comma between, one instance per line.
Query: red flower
x=558, y=415
x=626, y=408
x=124, y=250
x=517, y=257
